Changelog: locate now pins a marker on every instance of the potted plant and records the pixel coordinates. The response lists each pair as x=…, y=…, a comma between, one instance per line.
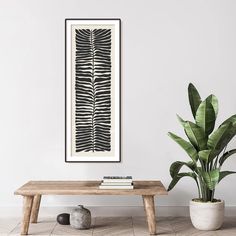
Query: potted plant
x=207, y=150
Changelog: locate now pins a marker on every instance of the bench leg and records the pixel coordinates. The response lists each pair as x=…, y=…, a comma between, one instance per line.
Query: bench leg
x=28, y=202
x=148, y=201
x=35, y=209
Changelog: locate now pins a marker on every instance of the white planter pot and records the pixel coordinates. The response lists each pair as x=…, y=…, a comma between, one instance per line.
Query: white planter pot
x=207, y=215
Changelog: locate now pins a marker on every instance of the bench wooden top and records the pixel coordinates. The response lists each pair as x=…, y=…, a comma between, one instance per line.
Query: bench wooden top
x=88, y=188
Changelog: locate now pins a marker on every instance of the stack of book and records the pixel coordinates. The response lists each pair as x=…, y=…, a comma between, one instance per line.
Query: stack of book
x=116, y=182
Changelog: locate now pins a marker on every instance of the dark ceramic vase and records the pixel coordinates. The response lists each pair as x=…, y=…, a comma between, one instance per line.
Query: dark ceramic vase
x=63, y=219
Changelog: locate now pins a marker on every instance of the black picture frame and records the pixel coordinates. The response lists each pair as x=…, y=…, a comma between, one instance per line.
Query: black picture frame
x=120, y=99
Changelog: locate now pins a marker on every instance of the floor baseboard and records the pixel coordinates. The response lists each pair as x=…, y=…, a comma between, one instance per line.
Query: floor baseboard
x=109, y=211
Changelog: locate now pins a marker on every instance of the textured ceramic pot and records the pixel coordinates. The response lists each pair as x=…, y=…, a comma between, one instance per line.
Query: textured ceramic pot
x=207, y=215
x=80, y=218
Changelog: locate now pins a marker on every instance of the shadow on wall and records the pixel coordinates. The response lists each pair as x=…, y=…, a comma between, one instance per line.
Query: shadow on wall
x=175, y=198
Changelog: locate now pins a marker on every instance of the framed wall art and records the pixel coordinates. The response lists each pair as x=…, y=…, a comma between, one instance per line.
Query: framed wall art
x=93, y=123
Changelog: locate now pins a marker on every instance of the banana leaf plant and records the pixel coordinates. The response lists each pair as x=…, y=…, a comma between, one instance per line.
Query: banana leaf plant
x=206, y=147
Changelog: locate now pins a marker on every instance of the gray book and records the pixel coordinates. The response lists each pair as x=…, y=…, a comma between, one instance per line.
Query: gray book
x=124, y=179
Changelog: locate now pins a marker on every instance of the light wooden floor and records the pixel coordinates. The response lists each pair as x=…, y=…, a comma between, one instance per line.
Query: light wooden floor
x=118, y=226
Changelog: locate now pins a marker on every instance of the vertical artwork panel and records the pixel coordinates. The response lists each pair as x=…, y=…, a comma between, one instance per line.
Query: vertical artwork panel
x=92, y=90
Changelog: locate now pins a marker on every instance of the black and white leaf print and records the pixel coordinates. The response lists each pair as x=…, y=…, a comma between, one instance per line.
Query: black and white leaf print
x=93, y=90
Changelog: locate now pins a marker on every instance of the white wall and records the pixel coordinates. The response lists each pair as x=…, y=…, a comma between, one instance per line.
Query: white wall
x=165, y=45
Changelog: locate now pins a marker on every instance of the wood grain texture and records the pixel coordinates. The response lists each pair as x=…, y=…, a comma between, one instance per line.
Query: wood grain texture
x=28, y=202
x=150, y=212
x=88, y=188
x=33, y=190
x=35, y=209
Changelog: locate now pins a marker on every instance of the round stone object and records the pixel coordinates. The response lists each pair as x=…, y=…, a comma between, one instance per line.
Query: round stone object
x=63, y=219
x=80, y=218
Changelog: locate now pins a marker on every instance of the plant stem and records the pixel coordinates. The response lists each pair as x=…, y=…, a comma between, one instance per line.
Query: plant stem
x=212, y=195
x=199, y=193
x=216, y=161
x=203, y=165
x=202, y=188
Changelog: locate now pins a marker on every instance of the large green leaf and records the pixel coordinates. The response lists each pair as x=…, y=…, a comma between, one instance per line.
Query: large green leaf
x=204, y=155
x=225, y=173
x=194, y=98
x=226, y=155
x=205, y=117
x=231, y=119
x=176, y=179
x=207, y=155
x=232, y=131
x=211, y=178
x=177, y=165
x=220, y=137
x=214, y=102
x=195, y=135
x=181, y=121
x=185, y=145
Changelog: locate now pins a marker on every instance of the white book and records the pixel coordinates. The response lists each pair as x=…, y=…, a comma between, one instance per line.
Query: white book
x=116, y=187
x=116, y=183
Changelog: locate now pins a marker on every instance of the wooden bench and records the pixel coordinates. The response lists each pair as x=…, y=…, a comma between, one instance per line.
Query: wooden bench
x=33, y=190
